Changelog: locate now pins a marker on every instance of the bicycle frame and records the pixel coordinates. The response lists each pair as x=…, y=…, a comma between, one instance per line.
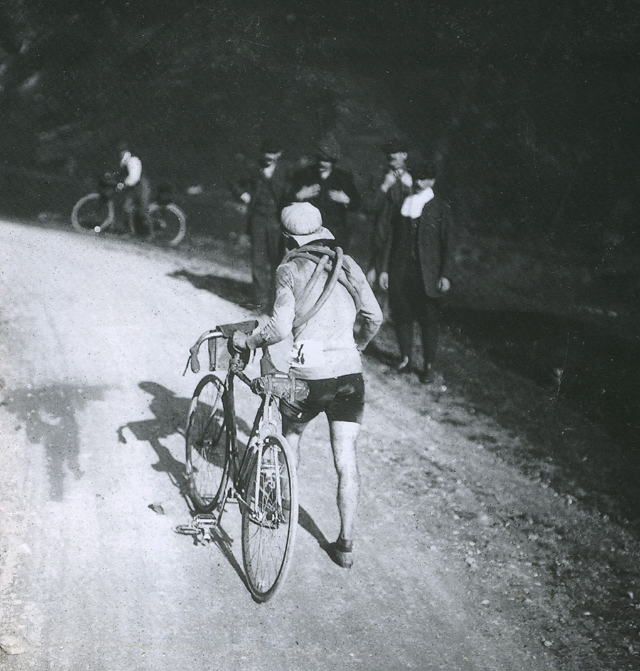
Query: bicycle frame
x=267, y=420
x=262, y=480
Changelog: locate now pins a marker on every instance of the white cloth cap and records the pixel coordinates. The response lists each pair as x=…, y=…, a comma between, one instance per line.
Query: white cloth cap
x=301, y=219
x=303, y=222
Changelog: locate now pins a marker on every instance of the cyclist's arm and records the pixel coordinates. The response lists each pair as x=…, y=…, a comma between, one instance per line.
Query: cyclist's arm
x=284, y=310
x=370, y=313
x=134, y=168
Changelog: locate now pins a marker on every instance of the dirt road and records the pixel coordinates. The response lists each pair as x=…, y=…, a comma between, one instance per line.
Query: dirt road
x=95, y=334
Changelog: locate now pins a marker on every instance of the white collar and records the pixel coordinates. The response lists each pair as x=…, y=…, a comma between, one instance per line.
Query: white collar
x=269, y=170
x=413, y=205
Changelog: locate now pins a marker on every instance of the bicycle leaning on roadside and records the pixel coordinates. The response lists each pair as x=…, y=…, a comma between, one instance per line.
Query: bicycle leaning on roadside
x=261, y=478
x=96, y=212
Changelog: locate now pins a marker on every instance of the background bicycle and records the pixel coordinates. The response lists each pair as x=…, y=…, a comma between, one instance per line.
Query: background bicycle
x=95, y=212
x=260, y=477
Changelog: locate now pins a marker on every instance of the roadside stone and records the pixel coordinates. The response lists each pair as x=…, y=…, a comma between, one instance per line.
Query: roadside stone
x=13, y=645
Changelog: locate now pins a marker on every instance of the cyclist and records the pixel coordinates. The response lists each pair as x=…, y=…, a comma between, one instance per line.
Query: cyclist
x=137, y=191
x=326, y=352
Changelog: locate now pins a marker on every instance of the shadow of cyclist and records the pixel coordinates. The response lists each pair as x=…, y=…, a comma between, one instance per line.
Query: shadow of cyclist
x=170, y=412
x=49, y=417
x=307, y=523
x=229, y=289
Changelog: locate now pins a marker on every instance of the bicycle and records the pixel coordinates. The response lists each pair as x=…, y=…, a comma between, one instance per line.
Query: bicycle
x=96, y=212
x=262, y=480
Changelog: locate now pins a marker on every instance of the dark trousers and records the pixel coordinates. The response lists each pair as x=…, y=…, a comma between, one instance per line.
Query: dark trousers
x=267, y=250
x=409, y=302
x=136, y=203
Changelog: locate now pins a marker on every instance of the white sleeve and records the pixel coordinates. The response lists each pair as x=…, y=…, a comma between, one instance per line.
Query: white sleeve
x=134, y=166
x=284, y=310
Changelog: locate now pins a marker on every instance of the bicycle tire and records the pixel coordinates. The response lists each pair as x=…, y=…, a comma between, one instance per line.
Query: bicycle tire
x=168, y=223
x=92, y=214
x=207, y=445
x=269, y=524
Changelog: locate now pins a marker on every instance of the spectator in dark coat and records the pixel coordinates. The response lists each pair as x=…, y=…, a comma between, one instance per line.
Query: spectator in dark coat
x=265, y=190
x=386, y=194
x=331, y=189
x=416, y=269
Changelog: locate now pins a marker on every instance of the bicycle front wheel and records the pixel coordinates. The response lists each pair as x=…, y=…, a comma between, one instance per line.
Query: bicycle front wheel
x=270, y=518
x=168, y=222
x=207, y=441
x=92, y=214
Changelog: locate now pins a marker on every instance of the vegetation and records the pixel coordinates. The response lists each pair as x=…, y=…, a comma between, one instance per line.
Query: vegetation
x=531, y=113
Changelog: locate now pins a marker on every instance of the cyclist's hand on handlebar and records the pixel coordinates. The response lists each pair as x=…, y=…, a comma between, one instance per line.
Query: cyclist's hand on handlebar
x=119, y=186
x=239, y=341
x=241, y=353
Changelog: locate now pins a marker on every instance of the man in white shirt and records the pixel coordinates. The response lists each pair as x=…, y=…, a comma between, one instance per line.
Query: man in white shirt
x=137, y=192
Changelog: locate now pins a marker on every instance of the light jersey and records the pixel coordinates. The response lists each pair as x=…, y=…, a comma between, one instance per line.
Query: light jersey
x=134, y=168
x=325, y=346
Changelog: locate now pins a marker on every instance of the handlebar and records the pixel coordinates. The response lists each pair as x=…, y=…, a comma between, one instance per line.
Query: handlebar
x=271, y=382
x=225, y=331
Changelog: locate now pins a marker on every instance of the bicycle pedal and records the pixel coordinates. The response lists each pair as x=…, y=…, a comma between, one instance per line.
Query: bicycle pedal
x=187, y=530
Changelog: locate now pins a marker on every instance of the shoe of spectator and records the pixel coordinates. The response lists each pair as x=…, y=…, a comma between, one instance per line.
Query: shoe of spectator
x=427, y=376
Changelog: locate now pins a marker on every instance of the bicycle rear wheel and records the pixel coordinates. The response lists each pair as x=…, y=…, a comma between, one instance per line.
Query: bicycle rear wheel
x=92, y=214
x=168, y=222
x=207, y=440
x=270, y=518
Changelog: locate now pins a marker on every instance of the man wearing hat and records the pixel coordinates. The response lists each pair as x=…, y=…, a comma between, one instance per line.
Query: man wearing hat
x=416, y=268
x=389, y=191
x=331, y=189
x=325, y=353
x=264, y=190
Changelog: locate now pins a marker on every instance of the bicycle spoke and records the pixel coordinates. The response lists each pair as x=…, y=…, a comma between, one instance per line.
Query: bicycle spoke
x=206, y=453
x=168, y=223
x=92, y=214
x=270, y=519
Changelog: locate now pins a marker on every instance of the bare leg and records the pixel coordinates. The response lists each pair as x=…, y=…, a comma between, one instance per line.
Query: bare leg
x=292, y=431
x=343, y=444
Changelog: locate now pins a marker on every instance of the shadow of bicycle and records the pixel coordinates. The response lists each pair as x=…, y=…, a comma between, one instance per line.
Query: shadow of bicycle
x=170, y=418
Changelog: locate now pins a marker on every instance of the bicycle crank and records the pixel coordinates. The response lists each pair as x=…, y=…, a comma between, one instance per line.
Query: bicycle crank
x=204, y=528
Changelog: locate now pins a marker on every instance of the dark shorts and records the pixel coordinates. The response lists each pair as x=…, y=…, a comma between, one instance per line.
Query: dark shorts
x=341, y=398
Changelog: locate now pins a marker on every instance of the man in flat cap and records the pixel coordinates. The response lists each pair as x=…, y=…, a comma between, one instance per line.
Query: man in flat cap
x=325, y=352
x=265, y=191
x=388, y=192
x=331, y=189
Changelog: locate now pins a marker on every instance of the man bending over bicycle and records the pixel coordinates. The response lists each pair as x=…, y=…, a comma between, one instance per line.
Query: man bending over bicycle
x=320, y=308
x=137, y=192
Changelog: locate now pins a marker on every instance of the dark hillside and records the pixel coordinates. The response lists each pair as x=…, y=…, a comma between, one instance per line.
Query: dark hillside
x=532, y=115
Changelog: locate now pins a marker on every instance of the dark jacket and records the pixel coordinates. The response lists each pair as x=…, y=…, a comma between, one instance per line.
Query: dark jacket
x=382, y=208
x=428, y=240
x=334, y=215
x=268, y=196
